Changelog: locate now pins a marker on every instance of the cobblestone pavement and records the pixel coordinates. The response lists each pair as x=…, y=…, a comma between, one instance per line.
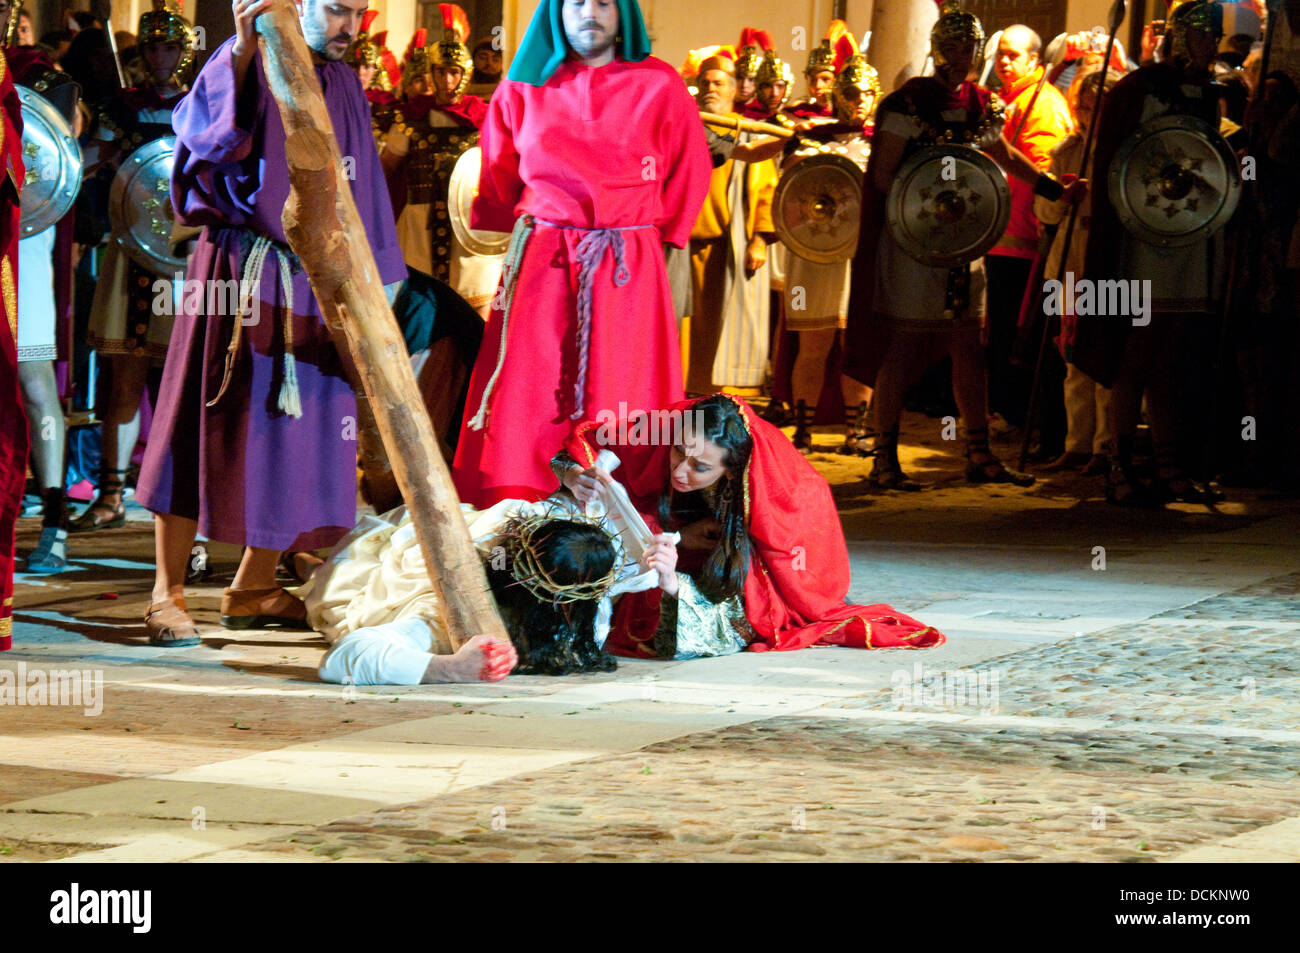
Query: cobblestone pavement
x=1129, y=745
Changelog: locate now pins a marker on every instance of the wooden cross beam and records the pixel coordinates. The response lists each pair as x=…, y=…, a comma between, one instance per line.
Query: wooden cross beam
x=325, y=231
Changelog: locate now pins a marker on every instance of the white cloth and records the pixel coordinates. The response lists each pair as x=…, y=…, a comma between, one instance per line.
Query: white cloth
x=373, y=602
x=741, y=358
x=36, y=318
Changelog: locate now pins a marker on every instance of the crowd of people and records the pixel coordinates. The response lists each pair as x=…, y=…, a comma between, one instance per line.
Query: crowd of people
x=621, y=259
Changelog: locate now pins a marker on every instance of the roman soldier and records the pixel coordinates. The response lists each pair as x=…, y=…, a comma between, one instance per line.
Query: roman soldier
x=430, y=132
x=774, y=79
x=820, y=74
x=44, y=297
x=374, y=68
x=1167, y=358
x=905, y=313
x=415, y=80
x=128, y=331
x=749, y=57
x=817, y=293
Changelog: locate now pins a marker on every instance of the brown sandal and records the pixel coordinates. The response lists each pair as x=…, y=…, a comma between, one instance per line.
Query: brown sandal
x=262, y=608
x=170, y=625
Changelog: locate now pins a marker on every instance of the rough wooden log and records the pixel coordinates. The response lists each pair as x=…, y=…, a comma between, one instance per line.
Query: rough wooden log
x=326, y=233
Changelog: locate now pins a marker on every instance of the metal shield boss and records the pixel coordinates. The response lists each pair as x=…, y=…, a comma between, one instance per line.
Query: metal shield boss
x=1175, y=181
x=948, y=205
x=461, y=189
x=140, y=208
x=53, y=162
x=817, y=207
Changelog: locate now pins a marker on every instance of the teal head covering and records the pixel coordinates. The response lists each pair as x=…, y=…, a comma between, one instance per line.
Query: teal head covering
x=544, y=46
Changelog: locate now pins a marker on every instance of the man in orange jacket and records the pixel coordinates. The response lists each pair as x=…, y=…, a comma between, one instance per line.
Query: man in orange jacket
x=1037, y=119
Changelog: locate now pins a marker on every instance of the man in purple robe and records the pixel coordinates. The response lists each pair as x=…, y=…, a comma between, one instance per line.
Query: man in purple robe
x=254, y=441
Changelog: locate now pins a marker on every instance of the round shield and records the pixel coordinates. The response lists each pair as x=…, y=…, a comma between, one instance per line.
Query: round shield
x=53, y=162
x=140, y=207
x=461, y=190
x=817, y=207
x=948, y=205
x=1175, y=181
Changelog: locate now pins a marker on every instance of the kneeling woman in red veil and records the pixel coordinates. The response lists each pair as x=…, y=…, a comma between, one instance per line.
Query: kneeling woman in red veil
x=761, y=563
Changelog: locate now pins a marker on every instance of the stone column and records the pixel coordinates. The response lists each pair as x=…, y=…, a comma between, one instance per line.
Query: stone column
x=900, y=39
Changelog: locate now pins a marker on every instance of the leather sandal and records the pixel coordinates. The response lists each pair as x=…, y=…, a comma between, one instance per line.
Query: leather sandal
x=802, y=438
x=261, y=609
x=111, y=483
x=170, y=625
x=993, y=470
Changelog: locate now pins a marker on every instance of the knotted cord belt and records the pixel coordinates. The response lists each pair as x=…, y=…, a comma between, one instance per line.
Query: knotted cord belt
x=290, y=401
x=590, y=251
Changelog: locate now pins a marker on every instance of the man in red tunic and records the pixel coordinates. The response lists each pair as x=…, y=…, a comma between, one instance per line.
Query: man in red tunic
x=13, y=422
x=597, y=149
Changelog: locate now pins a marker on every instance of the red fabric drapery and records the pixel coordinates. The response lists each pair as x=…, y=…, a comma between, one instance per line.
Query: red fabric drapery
x=13, y=421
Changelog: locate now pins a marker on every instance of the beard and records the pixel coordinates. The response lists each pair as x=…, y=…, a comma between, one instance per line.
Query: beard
x=590, y=40
x=715, y=103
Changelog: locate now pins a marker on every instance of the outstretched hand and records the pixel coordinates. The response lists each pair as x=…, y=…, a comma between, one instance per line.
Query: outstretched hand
x=587, y=485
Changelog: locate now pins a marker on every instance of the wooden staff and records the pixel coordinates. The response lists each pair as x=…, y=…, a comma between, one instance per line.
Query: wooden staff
x=326, y=233
x=748, y=125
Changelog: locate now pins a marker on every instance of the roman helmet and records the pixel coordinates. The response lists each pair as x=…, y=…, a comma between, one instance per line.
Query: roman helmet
x=852, y=71
x=774, y=70
x=367, y=50
x=1187, y=15
x=749, y=52
x=11, y=28
x=451, y=50
x=823, y=57
x=416, y=57
x=955, y=30
x=161, y=25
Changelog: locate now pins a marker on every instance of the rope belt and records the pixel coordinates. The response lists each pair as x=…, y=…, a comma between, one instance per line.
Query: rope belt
x=290, y=401
x=590, y=251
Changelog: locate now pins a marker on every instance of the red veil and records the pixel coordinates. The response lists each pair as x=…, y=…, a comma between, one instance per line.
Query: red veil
x=799, y=565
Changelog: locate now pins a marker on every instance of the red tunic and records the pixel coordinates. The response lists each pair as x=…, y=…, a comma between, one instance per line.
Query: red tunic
x=13, y=421
x=615, y=147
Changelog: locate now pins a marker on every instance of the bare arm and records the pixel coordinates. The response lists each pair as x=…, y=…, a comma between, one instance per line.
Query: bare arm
x=769, y=147
x=245, y=45
x=1013, y=161
x=886, y=156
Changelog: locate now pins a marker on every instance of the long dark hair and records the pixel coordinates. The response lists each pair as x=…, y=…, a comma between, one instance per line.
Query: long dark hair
x=718, y=419
x=556, y=639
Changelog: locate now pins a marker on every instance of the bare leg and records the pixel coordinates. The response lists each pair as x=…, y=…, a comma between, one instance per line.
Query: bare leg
x=256, y=569
x=809, y=371
x=970, y=387
x=173, y=539
x=969, y=378
x=483, y=658
x=45, y=421
x=901, y=363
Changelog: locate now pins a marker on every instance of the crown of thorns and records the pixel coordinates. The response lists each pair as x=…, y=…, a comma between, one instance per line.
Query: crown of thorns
x=521, y=544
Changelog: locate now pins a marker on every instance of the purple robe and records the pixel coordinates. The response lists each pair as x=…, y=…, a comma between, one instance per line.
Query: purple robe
x=246, y=471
